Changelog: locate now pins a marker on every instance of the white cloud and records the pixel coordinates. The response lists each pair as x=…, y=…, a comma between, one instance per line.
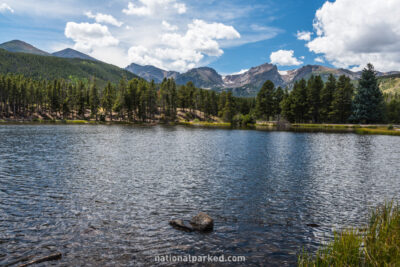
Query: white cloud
x=351, y=33
x=87, y=36
x=180, y=7
x=103, y=18
x=184, y=51
x=5, y=7
x=284, y=58
x=240, y=72
x=168, y=26
x=319, y=60
x=303, y=35
x=153, y=7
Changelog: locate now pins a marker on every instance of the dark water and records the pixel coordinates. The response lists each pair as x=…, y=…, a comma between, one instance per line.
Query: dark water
x=103, y=195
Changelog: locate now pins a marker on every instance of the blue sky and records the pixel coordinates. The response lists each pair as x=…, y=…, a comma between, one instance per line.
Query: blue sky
x=228, y=35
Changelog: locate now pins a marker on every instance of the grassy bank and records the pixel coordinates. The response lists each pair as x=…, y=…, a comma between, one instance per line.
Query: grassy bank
x=355, y=128
x=205, y=124
x=376, y=245
x=76, y=122
x=296, y=127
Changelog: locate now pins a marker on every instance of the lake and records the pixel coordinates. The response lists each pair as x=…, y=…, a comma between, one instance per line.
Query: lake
x=103, y=195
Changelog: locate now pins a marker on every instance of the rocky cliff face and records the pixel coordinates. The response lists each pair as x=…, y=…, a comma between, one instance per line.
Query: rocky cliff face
x=204, y=77
x=255, y=76
x=150, y=73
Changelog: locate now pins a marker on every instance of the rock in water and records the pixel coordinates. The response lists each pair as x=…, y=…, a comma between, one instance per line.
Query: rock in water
x=180, y=225
x=202, y=222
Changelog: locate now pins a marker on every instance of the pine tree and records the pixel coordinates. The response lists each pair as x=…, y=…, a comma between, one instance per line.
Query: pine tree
x=341, y=106
x=94, y=99
x=299, y=103
x=368, y=101
x=314, y=88
x=108, y=99
x=279, y=95
x=327, y=98
x=228, y=111
x=265, y=101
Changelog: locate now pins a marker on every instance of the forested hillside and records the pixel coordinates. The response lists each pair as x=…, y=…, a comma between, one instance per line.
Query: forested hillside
x=49, y=68
x=312, y=101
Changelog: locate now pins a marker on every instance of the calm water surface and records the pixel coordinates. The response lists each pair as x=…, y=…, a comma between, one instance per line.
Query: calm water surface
x=103, y=195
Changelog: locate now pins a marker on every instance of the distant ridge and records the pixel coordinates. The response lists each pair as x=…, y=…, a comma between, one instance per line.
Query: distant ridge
x=71, y=53
x=51, y=67
x=22, y=47
x=150, y=73
x=248, y=83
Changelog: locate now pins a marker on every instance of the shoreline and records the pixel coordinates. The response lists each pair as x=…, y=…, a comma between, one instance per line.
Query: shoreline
x=381, y=129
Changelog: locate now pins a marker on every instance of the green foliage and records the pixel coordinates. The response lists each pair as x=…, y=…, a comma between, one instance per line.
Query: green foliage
x=265, y=101
x=393, y=110
x=240, y=120
x=138, y=100
x=326, y=99
x=50, y=68
x=314, y=88
x=368, y=102
x=341, y=105
x=377, y=245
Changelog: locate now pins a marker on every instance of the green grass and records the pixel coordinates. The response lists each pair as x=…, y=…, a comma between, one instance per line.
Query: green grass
x=376, y=245
x=381, y=131
x=205, y=124
x=326, y=126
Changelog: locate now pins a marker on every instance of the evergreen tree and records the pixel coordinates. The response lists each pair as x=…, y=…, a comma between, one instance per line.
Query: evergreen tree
x=228, y=111
x=327, y=98
x=342, y=101
x=368, y=101
x=314, y=88
x=94, y=99
x=298, y=102
x=265, y=101
x=279, y=95
x=108, y=99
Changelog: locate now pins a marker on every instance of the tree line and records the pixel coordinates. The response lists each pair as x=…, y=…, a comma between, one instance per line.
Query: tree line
x=129, y=100
x=335, y=101
x=311, y=101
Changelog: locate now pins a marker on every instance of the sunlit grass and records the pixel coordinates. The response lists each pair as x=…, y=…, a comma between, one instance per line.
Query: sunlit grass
x=382, y=131
x=377, y=245
x=205, y=124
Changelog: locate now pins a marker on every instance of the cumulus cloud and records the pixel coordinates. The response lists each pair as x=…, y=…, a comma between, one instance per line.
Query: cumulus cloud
x=284, y=58
x=319, y=59
x=240, y=72
x=168, y=27
x=351, y=33
x=87, y=36
x=5, y=8
x=303, y=35
x=152, y=7
x=104, y=18
x=184, y=51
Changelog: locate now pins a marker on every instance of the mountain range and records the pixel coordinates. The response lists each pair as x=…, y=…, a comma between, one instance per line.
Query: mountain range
x=246, y=84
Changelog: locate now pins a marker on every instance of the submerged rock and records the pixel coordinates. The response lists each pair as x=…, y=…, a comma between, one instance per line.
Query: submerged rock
x=180, y=225
x=202, y=222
